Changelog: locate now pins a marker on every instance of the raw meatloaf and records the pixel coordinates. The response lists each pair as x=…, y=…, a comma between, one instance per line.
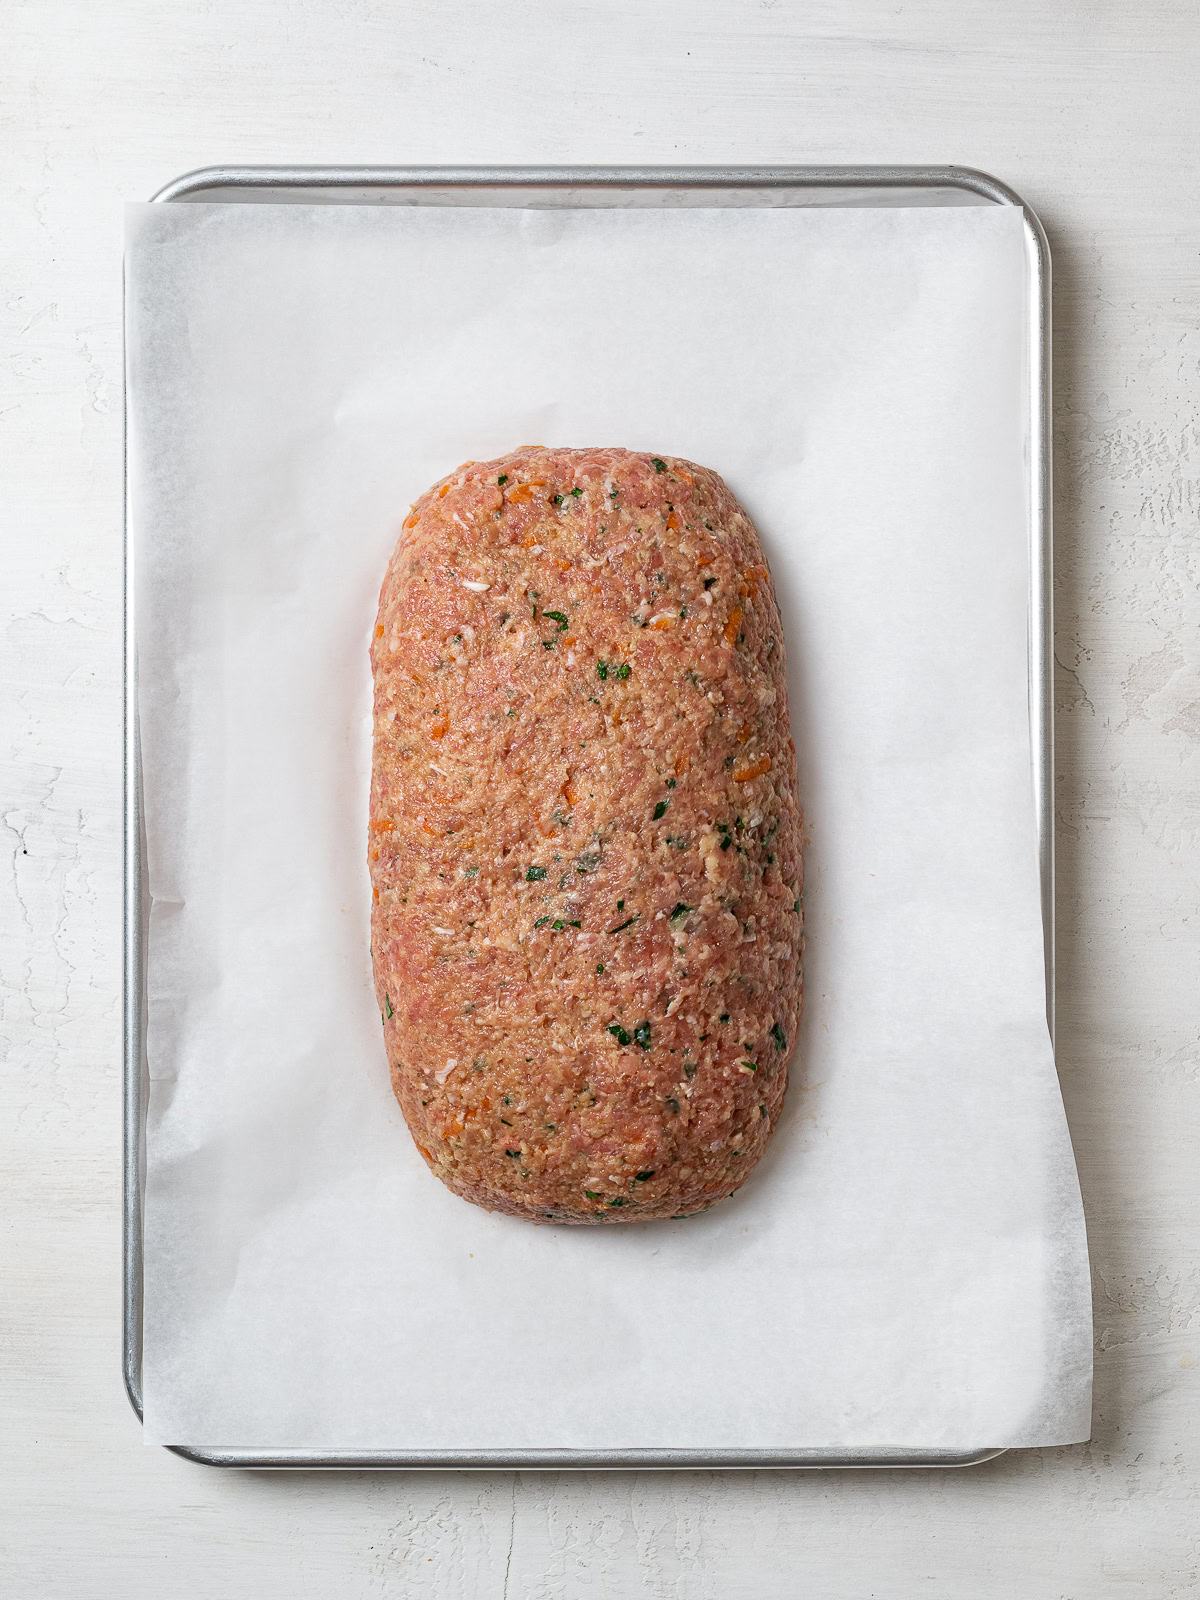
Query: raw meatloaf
x=584, y=836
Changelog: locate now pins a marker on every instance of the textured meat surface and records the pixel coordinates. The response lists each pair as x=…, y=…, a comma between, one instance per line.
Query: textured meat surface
x=584, y=836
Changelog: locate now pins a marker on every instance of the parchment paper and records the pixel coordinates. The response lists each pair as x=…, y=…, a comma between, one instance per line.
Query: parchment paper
x=908, y=1265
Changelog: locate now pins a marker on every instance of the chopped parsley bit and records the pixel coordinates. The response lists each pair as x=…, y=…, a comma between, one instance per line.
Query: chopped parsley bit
x=558, y=617
x=726, y=842
x=619, y=1201
x=641, y=1035
x=600, y=967
x=796, y=905
x=577, y=492
x=541, y=922
x=673, y=1104
x=762, y=1111
x=683, y=612
x=640, y=1177
x=680, y=910
x=574, y=924
x=502, y=479
x=728, y=761
x=548, y=644
x=592, y=1194
x=602, y=669
x=721, y=827
x=670, y=783
x=506, y=1122
x=552, y=1127
x=724, y=1017
x=629, y=921
x=534, y=874
x=689, y=1069
x=387, y=1008
x=558, y=499
x=748, y=1066
x=623, y=670
x=619, y=1034
x=507, y=1099
x=659, y=464
x=513, y=1153
x=703, y=1037
x=660, y=809
x=557, y=926
x=620, y=905
x=779, y=1036
x=708, y=582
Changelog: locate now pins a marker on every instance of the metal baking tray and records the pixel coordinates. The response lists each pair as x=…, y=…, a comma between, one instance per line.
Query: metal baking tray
x=590, y=186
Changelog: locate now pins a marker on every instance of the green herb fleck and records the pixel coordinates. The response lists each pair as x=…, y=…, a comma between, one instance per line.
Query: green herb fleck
x=779, y=1036
x=558, y=617
x=387, y=1008
x=659, y=464
x=619, y=1201
x=592, y=1194
x=640, y=1177
x=673, y=1104
x=541, y=922
x=724, y=1017
x=660, y=809
x=557, y=926
x=600, y=967
x=726, y=842
x=620, y=905
x=502, y=479
x=628, y=923
x=750, y=1066
x=796, y=905
x=762, y=1111
x=512, y=1153
x=689, y=1069
x=534, y=874
x=506, y=1122
x=619, y=1034
x=623, y=670
x=558, y=499
x=574, y=924
x=670, y=783
x=708, y=582
x=548, y=644
x=641, y=1035
x=680, y=910
x=577, y=492
x=602, y=669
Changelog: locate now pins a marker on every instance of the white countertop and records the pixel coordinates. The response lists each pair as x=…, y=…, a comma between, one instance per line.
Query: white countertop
x=1090, y=112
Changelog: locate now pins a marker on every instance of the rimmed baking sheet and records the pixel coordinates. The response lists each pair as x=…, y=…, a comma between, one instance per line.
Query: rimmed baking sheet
x=582, y=192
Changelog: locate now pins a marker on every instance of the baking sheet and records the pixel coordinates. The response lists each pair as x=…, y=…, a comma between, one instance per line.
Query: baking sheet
x=907, y=1267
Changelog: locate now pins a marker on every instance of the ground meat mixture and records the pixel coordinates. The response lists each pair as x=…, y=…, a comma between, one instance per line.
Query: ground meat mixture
x=584, y=836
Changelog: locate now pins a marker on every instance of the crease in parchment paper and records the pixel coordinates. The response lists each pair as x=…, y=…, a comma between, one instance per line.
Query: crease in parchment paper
x=907, y=1266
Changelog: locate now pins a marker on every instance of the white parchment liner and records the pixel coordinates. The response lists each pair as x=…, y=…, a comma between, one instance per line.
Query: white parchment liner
x=908, y=1266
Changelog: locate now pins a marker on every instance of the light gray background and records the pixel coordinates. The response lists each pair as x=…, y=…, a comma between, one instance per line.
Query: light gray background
x=1090, y=110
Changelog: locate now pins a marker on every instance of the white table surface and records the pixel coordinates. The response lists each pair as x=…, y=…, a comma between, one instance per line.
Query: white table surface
x=1090, y=110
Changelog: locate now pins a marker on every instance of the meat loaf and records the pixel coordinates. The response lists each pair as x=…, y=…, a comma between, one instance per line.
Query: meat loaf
x=584, y=836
